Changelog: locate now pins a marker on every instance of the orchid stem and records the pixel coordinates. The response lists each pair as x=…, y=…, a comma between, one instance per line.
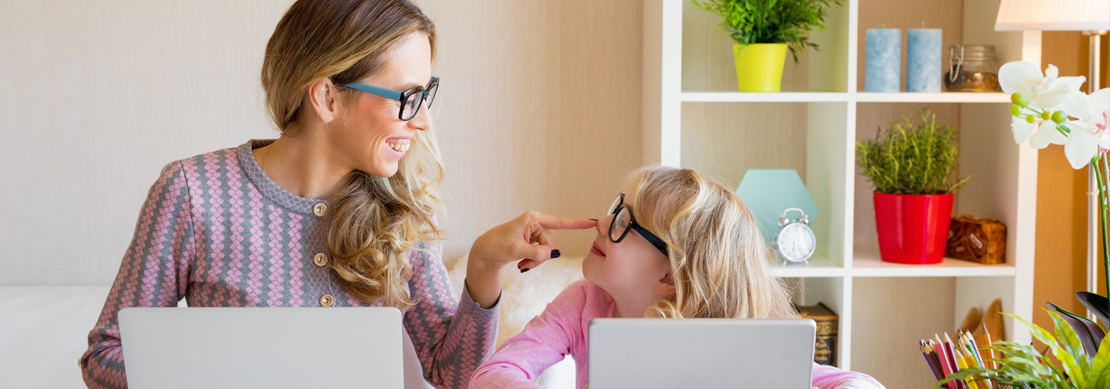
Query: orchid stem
x=1102, y=217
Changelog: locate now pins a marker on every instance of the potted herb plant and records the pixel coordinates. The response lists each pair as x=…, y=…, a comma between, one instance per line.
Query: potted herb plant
x=763, y=30
x=911, y=167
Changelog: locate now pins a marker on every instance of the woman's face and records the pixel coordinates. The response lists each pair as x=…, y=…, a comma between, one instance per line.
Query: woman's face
x=631, y=267
x=368, y=136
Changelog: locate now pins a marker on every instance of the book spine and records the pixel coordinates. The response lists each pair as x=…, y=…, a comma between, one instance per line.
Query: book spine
x=825, y=350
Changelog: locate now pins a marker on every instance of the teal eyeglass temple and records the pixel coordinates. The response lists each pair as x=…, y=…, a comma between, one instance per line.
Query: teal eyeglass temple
x=424, y=92
x=377, y=90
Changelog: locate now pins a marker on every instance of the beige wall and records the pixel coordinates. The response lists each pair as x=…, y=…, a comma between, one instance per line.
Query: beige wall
x=539, y=109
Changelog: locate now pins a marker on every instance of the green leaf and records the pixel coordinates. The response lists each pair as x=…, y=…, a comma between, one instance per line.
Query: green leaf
x=1099, y=376
x=1073, y=356
x=1038, y=333
x=961, y=375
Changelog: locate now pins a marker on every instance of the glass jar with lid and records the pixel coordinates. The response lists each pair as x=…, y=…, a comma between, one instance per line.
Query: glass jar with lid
x=972, y=68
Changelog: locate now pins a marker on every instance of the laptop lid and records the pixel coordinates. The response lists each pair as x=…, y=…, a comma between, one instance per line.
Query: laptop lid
x=701, y=353
x=168, y=348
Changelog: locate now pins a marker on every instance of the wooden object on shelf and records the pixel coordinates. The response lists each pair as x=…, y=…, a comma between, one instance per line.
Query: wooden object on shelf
x=825, y=351
x=977, y=240
x=991, y=319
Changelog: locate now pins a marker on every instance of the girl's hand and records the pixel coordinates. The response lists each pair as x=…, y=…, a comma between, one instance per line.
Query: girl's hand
x=527, y=237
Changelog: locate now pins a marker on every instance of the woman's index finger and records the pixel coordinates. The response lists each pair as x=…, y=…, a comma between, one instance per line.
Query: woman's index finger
x=562, y=223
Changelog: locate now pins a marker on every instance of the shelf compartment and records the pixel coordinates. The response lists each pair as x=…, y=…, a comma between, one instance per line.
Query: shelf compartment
x=708, y=63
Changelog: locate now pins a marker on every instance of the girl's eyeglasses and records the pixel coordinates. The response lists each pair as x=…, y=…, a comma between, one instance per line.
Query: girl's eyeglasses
x=411, y=100
x=623, y=222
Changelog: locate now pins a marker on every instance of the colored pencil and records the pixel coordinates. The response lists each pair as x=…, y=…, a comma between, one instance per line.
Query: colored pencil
x=945, y=367
x=987, y=334
x=929, y=359
x=963, y=360
x=969, y=342
x=936, y=358
x=953, y=366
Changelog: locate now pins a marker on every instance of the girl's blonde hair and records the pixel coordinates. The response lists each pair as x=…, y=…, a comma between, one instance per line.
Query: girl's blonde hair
x=372, y=221
x=716, y=251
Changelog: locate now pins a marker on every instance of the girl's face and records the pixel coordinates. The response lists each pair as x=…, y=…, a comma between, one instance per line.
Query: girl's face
x=633, y=267
x=369, y=136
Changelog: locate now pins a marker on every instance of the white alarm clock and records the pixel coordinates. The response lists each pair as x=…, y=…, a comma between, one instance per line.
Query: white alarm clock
x=795, y=241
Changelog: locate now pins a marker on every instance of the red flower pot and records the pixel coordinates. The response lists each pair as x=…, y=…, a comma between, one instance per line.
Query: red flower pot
x=913, y=229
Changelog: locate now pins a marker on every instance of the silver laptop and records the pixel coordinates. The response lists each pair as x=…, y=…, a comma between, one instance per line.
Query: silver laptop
x=701, y=353
x=168, y=348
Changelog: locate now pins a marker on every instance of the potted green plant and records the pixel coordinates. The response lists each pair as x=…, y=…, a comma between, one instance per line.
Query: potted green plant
x=1023, y=367
x=763, y=30
x=912, y=168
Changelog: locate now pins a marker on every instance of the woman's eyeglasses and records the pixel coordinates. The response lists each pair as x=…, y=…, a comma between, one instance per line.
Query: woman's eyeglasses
x=411, y=100
x=623, y=222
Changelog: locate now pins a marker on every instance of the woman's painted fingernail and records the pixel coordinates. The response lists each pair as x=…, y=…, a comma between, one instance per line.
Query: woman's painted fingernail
x=522, y=271
x=555, y=253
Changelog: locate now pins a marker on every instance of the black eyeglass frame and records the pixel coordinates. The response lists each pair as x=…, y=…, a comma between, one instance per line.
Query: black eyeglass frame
x=633, y=225
x=427, y=93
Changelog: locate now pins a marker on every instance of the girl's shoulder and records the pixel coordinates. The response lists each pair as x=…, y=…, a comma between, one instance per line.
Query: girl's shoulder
x=587, y=299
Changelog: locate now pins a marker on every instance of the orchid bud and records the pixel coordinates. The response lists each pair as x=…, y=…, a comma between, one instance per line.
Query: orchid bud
x=1059, y=117
x=1046, y=115
x=1015, y=110
x=1031, y=119
x=1019, y=100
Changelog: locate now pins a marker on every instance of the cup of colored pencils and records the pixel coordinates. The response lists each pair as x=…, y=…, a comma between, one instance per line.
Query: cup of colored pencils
x=946, y=357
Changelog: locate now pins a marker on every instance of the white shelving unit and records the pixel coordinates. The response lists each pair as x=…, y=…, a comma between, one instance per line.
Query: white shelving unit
x=691, y=122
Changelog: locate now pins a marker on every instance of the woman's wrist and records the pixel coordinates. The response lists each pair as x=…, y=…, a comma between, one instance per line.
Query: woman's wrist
x=483, y=280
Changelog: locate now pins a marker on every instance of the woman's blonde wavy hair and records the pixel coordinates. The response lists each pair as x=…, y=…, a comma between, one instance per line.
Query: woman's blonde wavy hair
x=372, y=221
x=716, y=251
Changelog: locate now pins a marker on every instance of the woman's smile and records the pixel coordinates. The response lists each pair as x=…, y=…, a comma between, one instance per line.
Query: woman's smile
x=398, y=145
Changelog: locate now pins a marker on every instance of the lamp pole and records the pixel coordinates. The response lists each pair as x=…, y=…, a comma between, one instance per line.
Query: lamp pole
x=1092, y=181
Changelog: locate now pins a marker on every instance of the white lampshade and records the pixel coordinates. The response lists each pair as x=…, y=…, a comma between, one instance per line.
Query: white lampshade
x=1057, y=15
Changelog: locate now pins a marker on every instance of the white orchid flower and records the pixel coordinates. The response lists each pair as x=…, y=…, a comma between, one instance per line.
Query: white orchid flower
x=1044, y=91
x=1090, y=134
x=1040, y=133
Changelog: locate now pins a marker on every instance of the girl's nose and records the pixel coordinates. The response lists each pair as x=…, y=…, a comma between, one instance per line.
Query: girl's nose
x=603, y=224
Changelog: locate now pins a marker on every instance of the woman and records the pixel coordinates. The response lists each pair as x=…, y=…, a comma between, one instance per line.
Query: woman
x=338, y=211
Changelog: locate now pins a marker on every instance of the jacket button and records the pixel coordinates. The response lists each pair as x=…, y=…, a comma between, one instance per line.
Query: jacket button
x=320, y=260
x=326, y=300
x=320, y=209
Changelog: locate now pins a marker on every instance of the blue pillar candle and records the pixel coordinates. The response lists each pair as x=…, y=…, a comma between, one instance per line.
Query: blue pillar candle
x=884, y=60
x=923, y=49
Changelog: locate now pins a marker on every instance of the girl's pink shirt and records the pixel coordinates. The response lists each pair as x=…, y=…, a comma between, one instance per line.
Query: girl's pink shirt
x=562, y=329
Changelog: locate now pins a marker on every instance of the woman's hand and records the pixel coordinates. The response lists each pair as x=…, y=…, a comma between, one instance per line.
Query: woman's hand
x=527, y=237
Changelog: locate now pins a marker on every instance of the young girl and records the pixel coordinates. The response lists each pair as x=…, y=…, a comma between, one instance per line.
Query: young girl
x=675, y=244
